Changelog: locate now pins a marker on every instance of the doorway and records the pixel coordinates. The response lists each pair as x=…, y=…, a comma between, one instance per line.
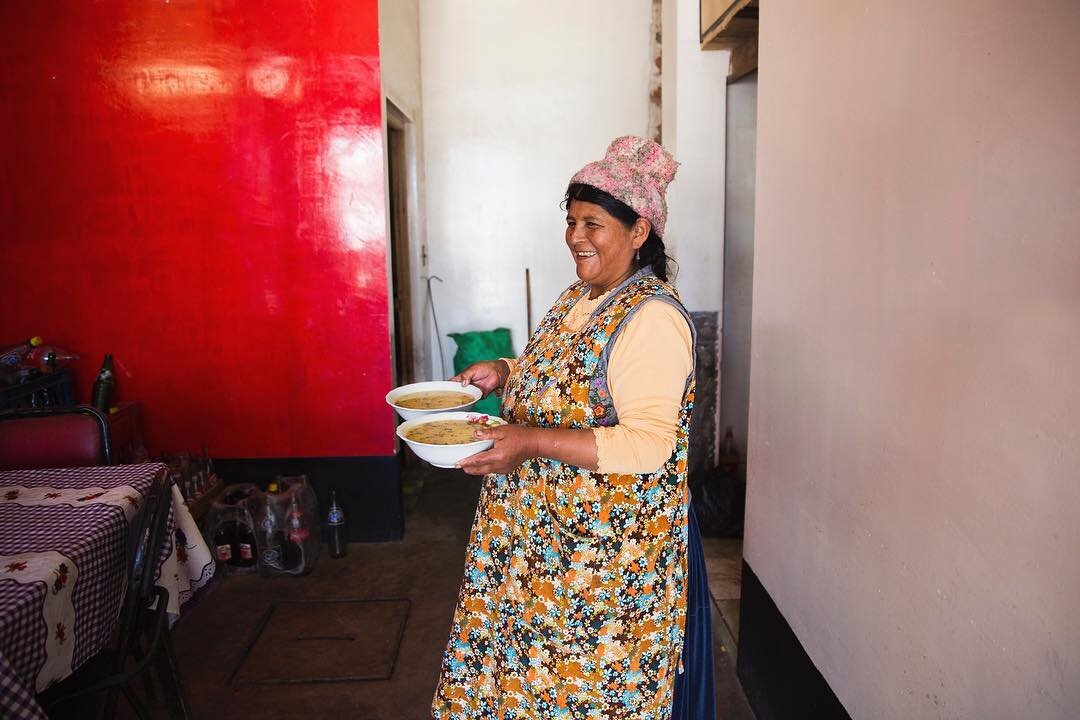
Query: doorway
x=739, y=190
x=397, y=159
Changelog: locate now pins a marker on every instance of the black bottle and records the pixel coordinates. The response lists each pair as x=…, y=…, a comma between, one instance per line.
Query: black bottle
x=243, y=543
x=224, y=542
x=104, y=385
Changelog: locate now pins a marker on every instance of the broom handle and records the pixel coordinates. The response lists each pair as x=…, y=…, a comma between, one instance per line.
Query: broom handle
x=528, y=304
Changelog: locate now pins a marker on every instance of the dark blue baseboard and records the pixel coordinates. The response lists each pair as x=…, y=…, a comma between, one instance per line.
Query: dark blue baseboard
x=368, y=488
x=778, y=677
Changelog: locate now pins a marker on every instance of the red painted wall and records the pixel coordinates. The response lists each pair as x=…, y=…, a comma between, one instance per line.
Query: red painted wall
x=197, y=187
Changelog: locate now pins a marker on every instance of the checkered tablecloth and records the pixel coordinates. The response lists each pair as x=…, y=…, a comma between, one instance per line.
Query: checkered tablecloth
x=63, y=540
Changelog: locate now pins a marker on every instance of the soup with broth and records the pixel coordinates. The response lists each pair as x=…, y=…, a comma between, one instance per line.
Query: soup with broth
x=433, y=400
x=444, y=432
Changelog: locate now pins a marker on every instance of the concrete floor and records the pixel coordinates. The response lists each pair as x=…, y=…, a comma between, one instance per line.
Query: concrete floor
x=426, y=568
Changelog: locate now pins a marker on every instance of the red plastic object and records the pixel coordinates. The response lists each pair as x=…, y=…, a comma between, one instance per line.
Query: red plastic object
x=197, y=188
x=53, y=441
x=39, y=356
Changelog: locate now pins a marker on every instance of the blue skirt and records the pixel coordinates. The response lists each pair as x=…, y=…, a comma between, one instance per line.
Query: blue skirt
x=695, y=686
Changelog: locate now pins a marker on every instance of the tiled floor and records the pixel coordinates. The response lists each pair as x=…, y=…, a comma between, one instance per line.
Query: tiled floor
x=425, y=568
x=723, y=558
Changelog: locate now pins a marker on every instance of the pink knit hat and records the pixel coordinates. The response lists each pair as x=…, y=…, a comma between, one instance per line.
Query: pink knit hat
x=636, y=171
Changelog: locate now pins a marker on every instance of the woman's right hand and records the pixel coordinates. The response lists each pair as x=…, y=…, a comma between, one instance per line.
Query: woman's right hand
x=488, y=375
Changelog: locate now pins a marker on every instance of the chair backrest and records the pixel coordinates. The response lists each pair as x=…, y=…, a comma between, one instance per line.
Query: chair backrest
x=147, y=536
x=149, y=545
x=53, y=437
x=146, y=542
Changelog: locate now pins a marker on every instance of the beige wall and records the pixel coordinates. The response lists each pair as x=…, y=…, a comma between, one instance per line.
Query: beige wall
x=915, y=399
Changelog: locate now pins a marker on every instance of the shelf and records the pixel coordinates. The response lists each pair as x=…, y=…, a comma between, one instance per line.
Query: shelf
x=726, y=24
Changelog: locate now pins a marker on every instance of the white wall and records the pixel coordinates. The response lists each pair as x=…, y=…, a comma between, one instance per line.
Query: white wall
x=738, y=257
x=399, y=57
x=517, y=96
x=399, y=53
x=915, y=398
x=694, y=96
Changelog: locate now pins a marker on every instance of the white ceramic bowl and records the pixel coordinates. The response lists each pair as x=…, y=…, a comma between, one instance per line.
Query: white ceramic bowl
x=445, y=456
x=413, y=414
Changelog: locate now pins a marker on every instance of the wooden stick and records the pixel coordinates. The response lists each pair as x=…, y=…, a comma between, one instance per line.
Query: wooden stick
x=528, y=303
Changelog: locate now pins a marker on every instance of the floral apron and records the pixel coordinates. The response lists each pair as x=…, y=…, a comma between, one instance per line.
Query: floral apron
x=574, y=596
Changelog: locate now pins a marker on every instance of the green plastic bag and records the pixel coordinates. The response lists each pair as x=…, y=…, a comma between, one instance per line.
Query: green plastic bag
x=482, y=345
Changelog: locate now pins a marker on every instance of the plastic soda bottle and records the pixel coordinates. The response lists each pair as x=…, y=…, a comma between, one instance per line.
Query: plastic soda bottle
x=271, y=559
x=11, y=357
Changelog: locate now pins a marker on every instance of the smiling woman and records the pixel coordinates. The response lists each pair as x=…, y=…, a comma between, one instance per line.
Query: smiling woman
x=606, y=236
x=603, y=246
x=559, y=612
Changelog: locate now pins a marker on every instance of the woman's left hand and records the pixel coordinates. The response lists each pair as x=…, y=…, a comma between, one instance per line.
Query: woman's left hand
x=514, y=444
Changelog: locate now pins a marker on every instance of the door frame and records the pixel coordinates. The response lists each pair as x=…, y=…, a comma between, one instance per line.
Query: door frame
x=410, y=250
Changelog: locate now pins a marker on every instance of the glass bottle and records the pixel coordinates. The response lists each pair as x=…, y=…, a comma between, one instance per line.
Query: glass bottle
x=224, y=540
x=244, y=543
x=335, y=527
x=104, y=385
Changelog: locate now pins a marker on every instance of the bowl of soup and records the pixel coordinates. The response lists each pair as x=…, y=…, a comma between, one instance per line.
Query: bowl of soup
x=426, y=398
x=444, y=439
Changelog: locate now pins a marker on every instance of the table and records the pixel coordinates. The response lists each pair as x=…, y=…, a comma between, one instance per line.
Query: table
x=63, y=541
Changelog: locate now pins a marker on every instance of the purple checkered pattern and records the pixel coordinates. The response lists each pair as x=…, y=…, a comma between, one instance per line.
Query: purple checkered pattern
x=95, y=538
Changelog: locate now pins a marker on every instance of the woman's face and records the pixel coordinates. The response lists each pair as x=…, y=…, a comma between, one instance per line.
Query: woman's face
x=602, y=248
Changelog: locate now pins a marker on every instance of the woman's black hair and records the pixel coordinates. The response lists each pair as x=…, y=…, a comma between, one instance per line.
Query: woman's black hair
x=651, y=252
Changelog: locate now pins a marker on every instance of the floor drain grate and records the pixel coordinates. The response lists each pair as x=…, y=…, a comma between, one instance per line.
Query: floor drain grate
x=313, y=641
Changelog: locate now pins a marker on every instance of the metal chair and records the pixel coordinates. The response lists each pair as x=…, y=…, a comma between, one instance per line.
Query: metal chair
x=108, y=673
x=73, y=436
